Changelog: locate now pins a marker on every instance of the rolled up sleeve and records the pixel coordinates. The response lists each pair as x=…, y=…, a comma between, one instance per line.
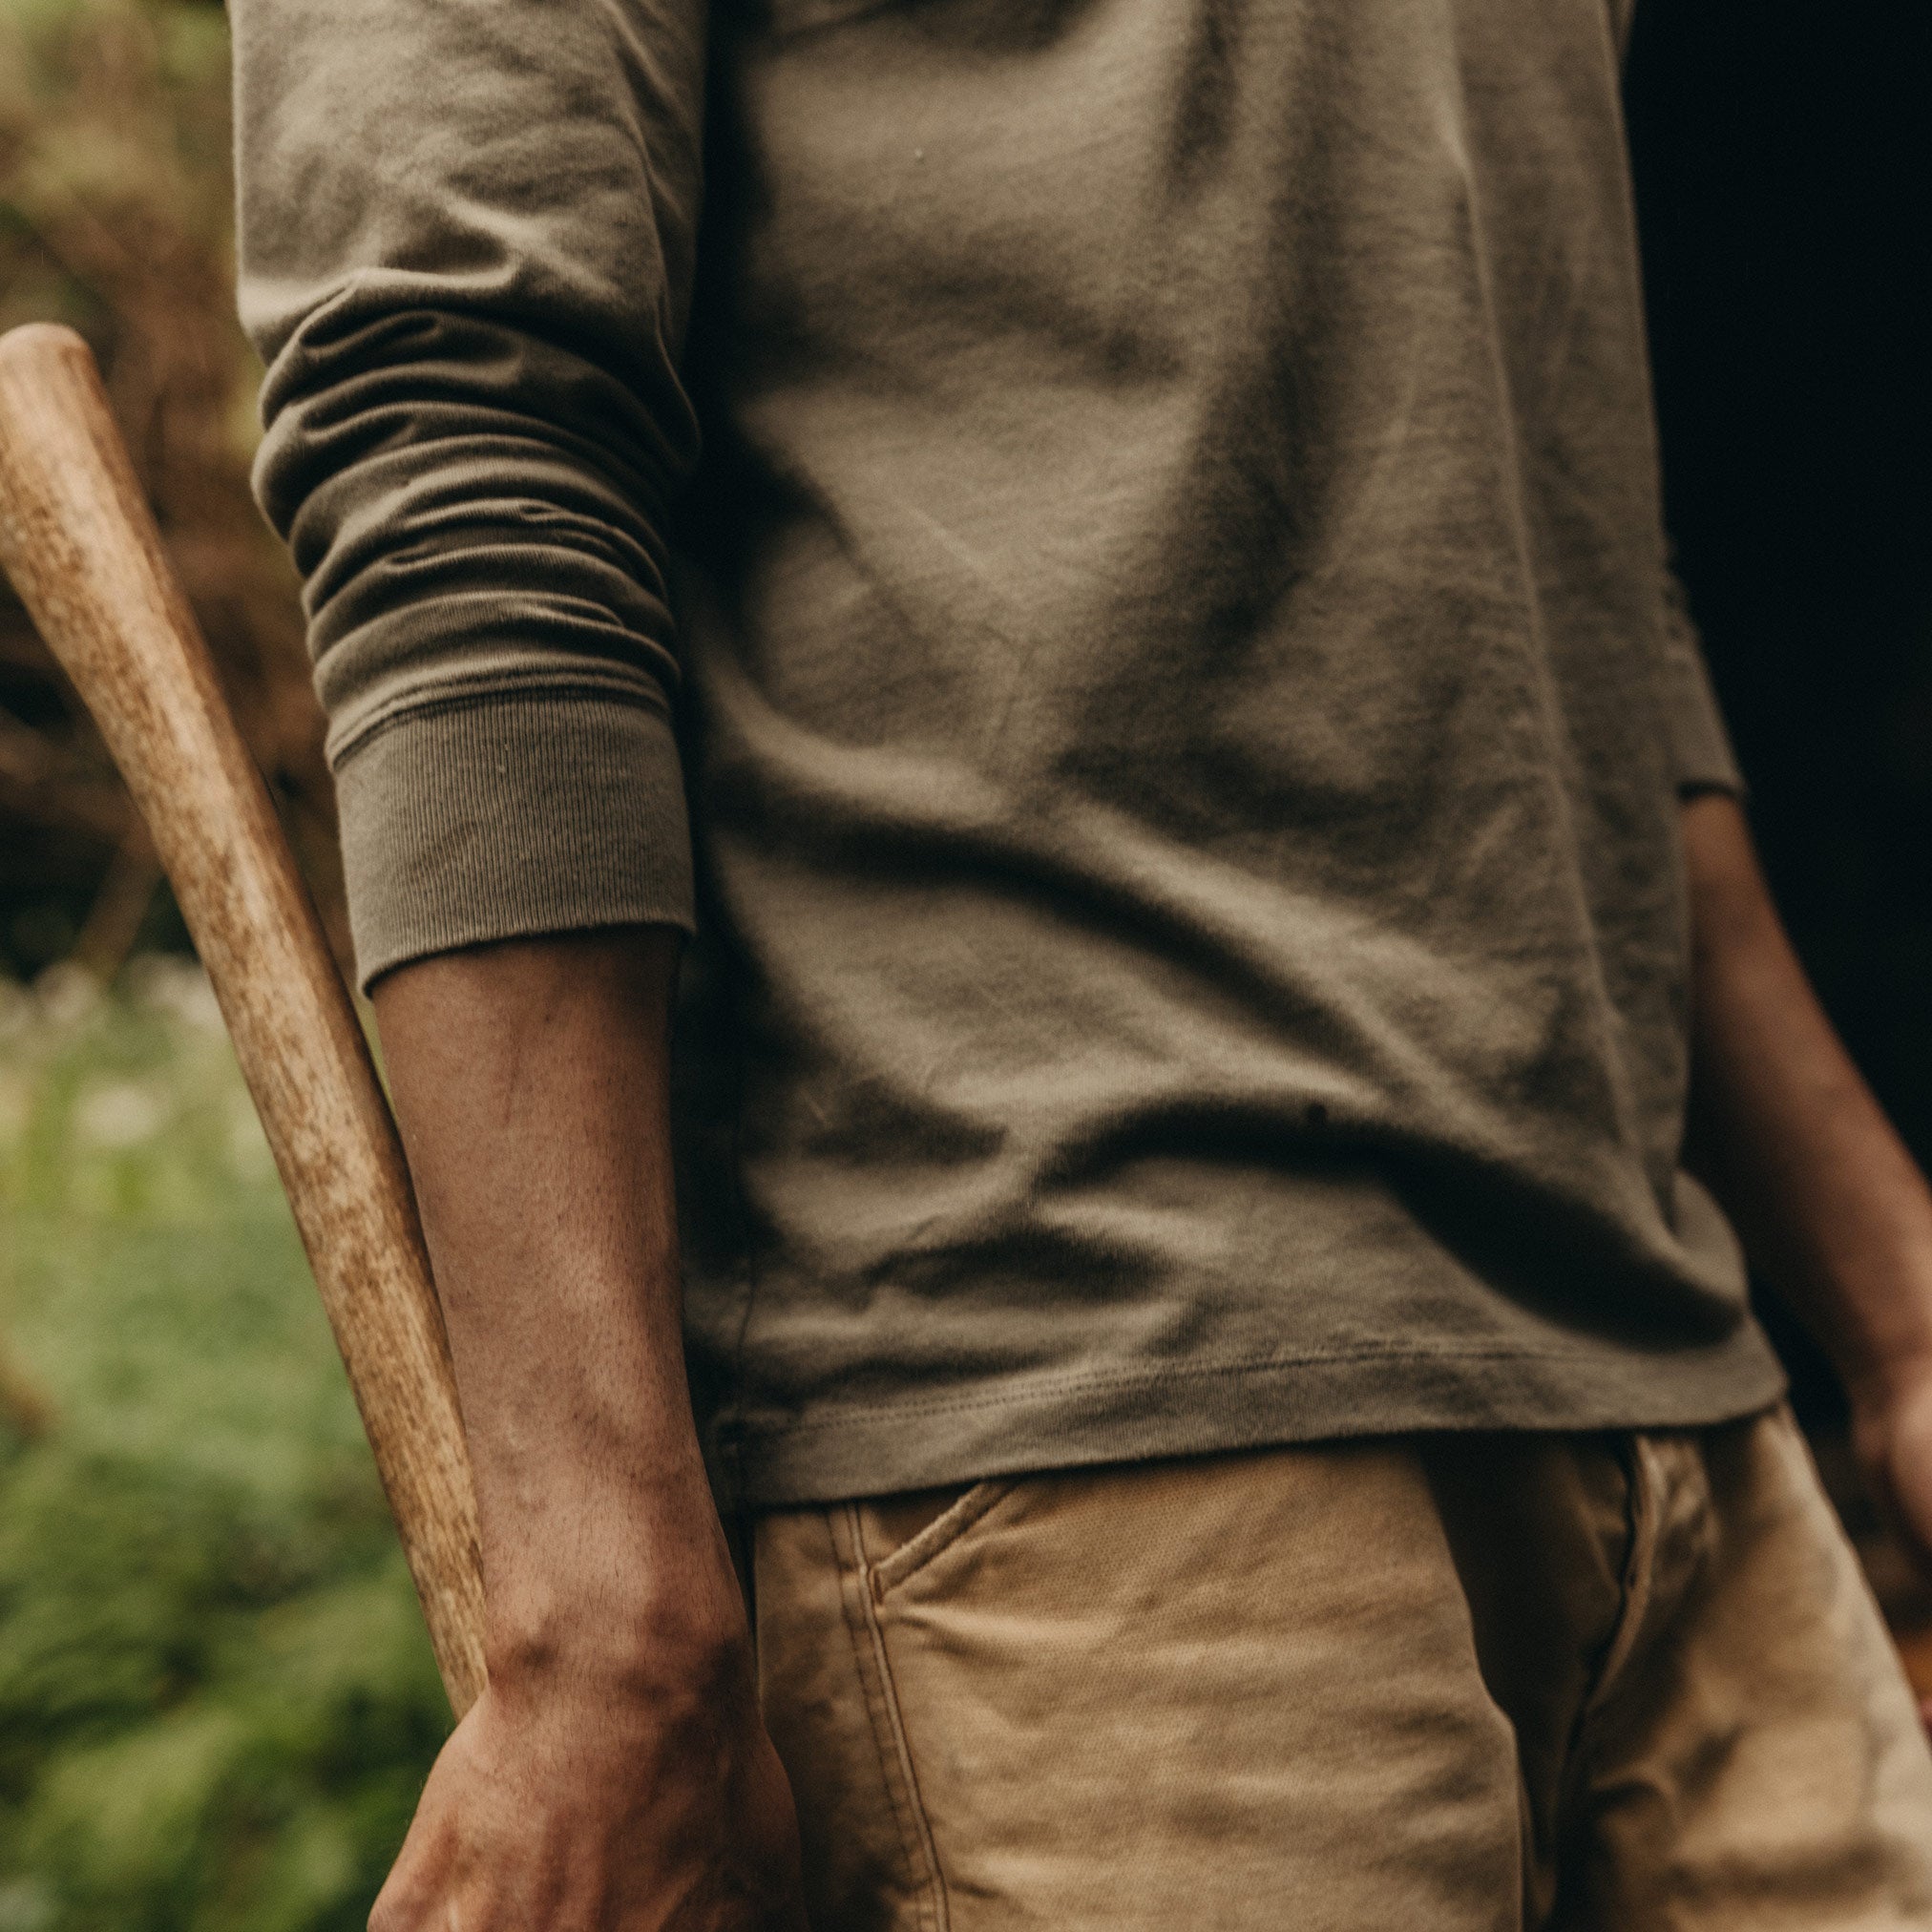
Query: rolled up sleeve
x=466, y=240
x=1701, y=753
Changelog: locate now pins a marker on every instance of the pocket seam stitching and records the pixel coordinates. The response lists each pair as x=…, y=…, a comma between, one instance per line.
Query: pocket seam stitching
x=936, y=1897
x=939, y=1535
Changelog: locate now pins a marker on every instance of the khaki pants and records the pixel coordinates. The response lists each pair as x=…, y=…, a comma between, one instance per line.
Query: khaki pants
x=1623, y=1682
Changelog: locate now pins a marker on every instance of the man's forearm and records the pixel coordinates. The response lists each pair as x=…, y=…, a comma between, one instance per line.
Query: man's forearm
x=1831, y=1208
x=530, y=1080
x=616, y=1771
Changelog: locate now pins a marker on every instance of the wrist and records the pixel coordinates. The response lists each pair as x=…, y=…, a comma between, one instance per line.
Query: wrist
x=1889, y=1376
x=1884, y=1356
x=637, y=1595
x=565, y=1643
x=1864, y=1288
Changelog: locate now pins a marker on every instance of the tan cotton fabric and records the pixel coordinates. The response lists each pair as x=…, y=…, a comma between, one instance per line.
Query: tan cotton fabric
x=1498, y=1682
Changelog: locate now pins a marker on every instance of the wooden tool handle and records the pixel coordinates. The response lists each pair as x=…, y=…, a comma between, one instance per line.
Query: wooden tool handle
x=82, y=550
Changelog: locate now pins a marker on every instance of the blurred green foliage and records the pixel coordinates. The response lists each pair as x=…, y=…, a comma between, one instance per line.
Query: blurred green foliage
x=217, y=1699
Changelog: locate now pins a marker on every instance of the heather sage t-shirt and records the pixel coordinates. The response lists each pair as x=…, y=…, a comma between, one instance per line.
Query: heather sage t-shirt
x=1168, y=647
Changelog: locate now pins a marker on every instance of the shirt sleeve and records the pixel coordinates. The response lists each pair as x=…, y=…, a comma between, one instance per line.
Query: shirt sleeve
x=466, y=247
x=1700, y=747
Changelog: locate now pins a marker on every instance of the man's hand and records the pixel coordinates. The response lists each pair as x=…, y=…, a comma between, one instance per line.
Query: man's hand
x=580, y=1808
x=1831, y=1208
x=616, y=1775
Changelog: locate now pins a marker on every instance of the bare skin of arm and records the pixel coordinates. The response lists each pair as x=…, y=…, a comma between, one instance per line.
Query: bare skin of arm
x=1831, y=1208
x=616, y=1775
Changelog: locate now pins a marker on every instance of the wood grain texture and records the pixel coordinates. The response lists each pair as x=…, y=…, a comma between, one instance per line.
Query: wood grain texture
x=82, y=550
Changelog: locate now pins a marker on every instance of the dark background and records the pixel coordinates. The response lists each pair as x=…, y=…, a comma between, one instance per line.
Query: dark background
x=1784, y=182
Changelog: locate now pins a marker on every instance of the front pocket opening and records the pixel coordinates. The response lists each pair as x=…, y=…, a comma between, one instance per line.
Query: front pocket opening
x=945, y=1529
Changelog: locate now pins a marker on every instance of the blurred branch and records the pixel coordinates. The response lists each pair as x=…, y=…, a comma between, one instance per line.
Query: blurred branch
x=113, y=921
x=44, y=783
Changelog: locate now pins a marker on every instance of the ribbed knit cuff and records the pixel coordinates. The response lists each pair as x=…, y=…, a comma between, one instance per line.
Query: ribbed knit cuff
x=511, y=816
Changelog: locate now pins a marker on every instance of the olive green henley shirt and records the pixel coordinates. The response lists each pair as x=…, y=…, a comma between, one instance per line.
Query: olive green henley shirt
x=1169, y=649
